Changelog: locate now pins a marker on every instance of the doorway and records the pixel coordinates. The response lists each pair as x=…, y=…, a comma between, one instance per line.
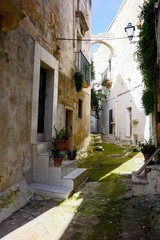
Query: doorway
x=41, y=103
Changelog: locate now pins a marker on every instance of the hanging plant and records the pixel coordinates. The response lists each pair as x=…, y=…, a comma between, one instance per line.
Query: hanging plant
x=79, y=80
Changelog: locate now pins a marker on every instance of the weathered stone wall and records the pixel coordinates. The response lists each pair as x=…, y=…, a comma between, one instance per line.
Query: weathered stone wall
x=16, y=71
x=44, y=22
x=67, y=94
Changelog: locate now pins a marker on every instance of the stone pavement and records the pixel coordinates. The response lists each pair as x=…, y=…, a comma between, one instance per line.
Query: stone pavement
x=89, y=214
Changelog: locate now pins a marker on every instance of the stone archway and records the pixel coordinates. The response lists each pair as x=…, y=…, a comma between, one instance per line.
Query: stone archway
x=102, y=39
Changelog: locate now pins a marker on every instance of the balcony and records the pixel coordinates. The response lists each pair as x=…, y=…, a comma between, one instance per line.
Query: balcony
x=83, y=26
x=106, y=79
x=84, y=67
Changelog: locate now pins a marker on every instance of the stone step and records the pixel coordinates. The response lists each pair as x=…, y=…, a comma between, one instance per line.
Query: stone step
x=47, y=173
x=55, y=174
x=75, y=178
x=96, y=136
x=42, y=147
x=51, y=190
x=139, y=178
x=96, y=142
x=150, y=185
x=41, y=137
x=64, y=188
x=98, y=148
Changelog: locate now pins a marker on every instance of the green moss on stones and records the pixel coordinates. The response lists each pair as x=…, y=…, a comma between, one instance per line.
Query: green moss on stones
x=102, y=208
x=100, y=163
x=8, y=198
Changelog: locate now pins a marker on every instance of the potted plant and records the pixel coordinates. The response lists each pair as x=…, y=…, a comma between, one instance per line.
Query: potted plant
x=61, y=139
x=147, y=148
x=57, y=156
x=72, y=154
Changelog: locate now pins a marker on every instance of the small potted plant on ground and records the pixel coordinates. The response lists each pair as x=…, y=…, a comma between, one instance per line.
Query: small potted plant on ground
x=61, y=139
x=57, y=156
x=147, y=148
x=72, y=154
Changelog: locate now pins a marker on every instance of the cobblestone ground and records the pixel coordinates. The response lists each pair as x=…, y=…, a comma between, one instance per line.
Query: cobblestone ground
x=141, y=219
x=126, y=217
x=98, y=210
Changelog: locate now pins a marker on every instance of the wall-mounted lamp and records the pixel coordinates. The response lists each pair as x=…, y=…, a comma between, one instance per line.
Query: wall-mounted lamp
x=130, y=31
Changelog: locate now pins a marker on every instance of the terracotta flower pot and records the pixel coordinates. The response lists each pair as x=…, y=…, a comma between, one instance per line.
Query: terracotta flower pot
x=62, y=145
x=58, y=162
x=71, y=157
x=146, y=157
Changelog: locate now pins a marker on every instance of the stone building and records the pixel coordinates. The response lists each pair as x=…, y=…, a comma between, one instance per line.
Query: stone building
x=157, y=24
x=40, y=50
x=123, y=115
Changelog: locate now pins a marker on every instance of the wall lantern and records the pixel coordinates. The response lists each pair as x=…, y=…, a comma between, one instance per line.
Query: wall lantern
x=130, y=31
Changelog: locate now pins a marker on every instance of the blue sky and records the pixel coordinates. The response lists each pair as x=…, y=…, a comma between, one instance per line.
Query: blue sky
x=103, y=12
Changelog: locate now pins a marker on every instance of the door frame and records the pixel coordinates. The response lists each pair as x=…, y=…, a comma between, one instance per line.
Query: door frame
x=44, y=58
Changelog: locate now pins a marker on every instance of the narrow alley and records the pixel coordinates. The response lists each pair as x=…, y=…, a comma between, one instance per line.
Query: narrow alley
x=101, y=208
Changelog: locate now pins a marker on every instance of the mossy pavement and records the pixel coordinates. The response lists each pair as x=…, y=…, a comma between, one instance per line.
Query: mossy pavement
x=102, y=208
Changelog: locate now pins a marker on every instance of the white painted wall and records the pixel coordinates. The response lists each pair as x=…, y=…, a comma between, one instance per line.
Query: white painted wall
x=126, y=89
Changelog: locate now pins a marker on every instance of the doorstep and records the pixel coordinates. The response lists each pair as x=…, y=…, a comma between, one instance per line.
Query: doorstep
x=51, y=190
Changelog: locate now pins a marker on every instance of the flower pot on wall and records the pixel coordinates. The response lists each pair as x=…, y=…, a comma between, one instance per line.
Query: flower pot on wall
x=71, y=157
x=62, y=145
x=146, y=156
x=57, y=162
x=72, y=154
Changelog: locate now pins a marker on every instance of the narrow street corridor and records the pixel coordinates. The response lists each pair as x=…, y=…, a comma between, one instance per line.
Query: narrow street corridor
x=102, y=208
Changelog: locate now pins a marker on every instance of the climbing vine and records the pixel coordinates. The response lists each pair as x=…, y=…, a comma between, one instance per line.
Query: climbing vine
x=92, y=71
x=146, y=54
x=97, y=96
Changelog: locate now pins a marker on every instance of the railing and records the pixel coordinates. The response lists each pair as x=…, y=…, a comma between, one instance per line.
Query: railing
x=83, y=66
x=148, y=161
x=106, y=75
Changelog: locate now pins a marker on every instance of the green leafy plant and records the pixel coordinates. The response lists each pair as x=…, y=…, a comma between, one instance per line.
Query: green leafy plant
x=146, y=54
x=79, y=80
x=60, y=135
x=97, y=96
x=148, y=147
x=92, y=71
x=55, y=153
x=72, y=154
x=148, y=100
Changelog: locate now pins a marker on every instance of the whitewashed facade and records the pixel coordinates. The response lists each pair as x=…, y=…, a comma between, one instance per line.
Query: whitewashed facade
x=123, y=115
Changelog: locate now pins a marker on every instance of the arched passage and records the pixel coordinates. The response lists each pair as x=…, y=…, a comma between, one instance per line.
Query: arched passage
x=102, y=42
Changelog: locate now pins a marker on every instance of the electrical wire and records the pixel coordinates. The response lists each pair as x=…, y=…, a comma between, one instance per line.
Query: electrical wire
x=93, y=39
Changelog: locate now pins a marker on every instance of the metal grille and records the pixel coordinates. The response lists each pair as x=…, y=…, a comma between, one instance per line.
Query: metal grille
x=83, y=66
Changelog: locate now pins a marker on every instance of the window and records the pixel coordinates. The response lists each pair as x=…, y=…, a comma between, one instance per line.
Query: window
x=109, y=65
x=128, y=122
x=79, y=108
x=110, y=121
